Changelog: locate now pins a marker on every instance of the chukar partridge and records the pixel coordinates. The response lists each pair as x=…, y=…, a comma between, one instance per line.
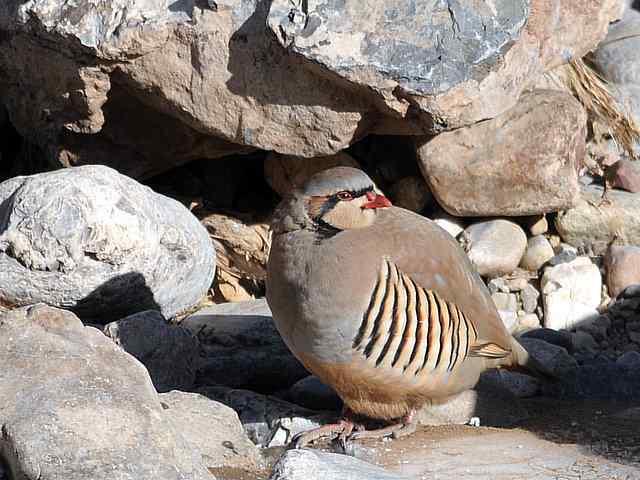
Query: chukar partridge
x=378, y=302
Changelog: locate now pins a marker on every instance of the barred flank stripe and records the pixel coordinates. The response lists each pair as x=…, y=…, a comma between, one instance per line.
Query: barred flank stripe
x=412, y=329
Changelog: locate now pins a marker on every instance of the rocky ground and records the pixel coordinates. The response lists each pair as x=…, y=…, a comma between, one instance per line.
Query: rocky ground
x=135, y=341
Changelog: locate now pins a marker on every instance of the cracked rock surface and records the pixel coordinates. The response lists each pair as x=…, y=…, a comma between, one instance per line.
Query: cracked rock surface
x=100, y=243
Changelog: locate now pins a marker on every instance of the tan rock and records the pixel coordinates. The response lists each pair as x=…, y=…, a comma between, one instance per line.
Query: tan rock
x=622, y=266
x=539, y=251
x=524, y=162
x=537, y=225
x=625, y=175
x=494, y=247
x=287, y=172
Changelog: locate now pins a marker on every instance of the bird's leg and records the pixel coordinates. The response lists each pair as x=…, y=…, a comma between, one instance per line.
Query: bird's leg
x=342, y=428
x=405, y=427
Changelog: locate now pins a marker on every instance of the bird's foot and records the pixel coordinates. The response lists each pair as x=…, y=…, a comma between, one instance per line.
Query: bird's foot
x=405, y=427
x=342, y=429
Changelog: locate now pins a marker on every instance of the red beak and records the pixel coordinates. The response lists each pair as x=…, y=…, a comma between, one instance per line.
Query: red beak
x=376, y=201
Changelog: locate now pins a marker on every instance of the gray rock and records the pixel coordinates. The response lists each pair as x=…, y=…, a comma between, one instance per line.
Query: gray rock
x=554, y=358
x=597, y=328
x=632, y=291
x=169, y=352
x=211, y=428
x=560, y=338
x=268, y=421
x=75, y=406
x=430, y=56
x=424, y=48
x=590, y=224
x=495, y=247
x=629, y=359
x=311, y=393
x=100, y=243
x=599, y=381
x=305, y=464
x=565, y=253
x=517, y=284
x=529, y=296
x=499, y=284
x=584, y=342
x=527, y=322
x=241, y=347
x=507, y=305
x=571, y=293
x=519, y=384
x=538, y=252
x=516, y=164
x=509, y=319
x=505, y=301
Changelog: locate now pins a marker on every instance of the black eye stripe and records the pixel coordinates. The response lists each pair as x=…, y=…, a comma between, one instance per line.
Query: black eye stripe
x=354, y=193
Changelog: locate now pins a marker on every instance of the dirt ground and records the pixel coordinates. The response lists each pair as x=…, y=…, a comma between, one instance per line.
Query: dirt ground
x=572, y=440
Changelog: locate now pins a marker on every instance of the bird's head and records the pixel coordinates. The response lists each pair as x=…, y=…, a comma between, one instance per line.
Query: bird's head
x=342, y=198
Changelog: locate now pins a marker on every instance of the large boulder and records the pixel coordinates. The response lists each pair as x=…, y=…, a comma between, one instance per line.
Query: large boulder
x=523, y=162
x=98, y=242
x=75, y=406
x=430, y=56
x=213, y=78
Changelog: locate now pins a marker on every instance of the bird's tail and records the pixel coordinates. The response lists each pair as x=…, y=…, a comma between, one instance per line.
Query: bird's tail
x=521, y=359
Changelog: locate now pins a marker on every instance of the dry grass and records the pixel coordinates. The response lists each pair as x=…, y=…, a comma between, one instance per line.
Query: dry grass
x=604, y=110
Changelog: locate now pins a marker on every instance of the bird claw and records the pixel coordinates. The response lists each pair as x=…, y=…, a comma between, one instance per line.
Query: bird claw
x=302, y=439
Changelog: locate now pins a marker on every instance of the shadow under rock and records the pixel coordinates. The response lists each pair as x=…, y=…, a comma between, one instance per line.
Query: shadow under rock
x=243, y=349
x=596, y=403
x=116, y=298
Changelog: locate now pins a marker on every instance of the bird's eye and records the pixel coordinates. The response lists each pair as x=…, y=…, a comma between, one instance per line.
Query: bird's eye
x=344, y=196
